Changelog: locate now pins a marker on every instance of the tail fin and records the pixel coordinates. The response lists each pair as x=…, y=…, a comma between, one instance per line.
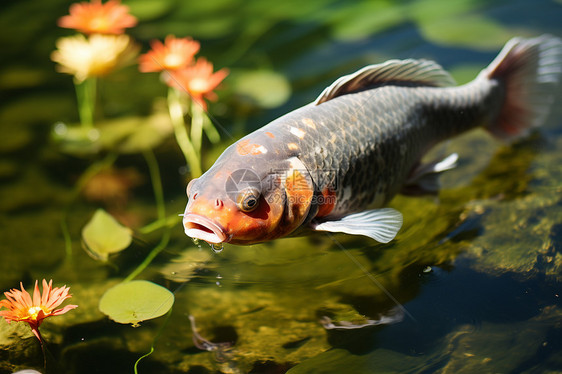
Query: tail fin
x=529, y=70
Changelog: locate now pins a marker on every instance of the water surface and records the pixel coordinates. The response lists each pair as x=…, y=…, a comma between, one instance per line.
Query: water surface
x=476, y=272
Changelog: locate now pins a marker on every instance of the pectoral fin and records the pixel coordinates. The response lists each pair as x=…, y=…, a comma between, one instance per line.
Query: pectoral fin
x=424, y=179
x=381, y=225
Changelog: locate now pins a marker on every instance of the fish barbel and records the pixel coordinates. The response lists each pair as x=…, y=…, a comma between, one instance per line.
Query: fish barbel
x=333, y=164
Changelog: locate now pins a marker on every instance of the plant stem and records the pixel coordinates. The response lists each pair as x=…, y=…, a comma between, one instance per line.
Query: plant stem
x=153, y=342
x=84, y=178
x=182, y=138
x=210, y=129
x=155, y=251
x=86, y=97
x=159, y=223
x=156, y=181
x=196, y=125
x=154, y=172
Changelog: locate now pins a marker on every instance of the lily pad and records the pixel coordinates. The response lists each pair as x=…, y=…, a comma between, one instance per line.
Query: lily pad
x=146, y=10
x=135, y=134
x=265, y=88
x=458, y=23
x=136, y=301
x=103, y=235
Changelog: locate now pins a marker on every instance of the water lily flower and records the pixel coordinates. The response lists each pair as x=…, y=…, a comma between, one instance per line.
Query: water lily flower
x=95, y=56
x=198, y=81
x=98, y=18
x=173, y=54
x=22, y=308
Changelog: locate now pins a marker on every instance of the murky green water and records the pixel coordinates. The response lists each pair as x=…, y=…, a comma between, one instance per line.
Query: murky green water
x=478, y=271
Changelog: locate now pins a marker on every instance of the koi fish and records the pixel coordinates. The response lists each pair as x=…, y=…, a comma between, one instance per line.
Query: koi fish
x=333, y=164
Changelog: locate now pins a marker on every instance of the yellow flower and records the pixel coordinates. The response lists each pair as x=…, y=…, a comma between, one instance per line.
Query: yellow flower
x=22, y=308
x=95, y=56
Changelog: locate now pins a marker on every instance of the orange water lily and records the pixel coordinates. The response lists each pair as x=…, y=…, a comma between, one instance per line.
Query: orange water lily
x=22, y=308
x=173, y=54
x=198, y=81
x=97, y=18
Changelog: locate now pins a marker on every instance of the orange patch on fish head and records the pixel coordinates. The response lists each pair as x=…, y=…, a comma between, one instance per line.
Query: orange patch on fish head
x=221, y=219
x=270, y=135
x=245, y=148
x=299, y=191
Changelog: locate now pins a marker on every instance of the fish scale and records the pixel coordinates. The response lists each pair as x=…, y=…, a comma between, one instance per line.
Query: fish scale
x=373, y=128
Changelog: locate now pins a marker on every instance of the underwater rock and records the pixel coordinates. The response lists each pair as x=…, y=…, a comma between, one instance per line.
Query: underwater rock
x=523, y=234
x=487, y=348
x=19, y=348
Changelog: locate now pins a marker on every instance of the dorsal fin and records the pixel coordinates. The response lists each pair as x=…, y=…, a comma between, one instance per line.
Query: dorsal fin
x=422, y=72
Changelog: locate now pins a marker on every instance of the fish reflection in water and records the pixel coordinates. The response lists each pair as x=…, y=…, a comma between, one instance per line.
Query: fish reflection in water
x=220, y=349
x=396, y=315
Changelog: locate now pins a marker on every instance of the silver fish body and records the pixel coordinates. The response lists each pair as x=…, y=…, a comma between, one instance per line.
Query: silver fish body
x=333, y=164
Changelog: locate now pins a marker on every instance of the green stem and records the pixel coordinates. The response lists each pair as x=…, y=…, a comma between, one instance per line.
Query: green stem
x=154, y=341
x=151, y=256
x=92, y=170
x=208, y=127
x=196, y=125
x=156, y=181
x=154, y=172
x=187, y=148
x=159, y=223
x=86, y=97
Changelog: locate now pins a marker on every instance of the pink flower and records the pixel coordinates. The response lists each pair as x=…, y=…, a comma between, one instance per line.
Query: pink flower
x=173, y=54
x=21, y=308
x=198, y=81
x=98, y=18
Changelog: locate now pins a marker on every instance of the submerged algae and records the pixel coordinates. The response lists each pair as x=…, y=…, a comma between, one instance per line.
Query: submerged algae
x=518, y=209
x=490, y=348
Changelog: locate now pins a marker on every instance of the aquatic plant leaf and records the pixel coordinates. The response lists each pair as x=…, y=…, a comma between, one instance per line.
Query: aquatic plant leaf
x=365, y=19
x=135, y=134
x=472, y=31
x=136, y=301
x=465, y=73
x=74, y=139
x=458, y=23
x=103, y=235
x=146, y=10
x=264, y=88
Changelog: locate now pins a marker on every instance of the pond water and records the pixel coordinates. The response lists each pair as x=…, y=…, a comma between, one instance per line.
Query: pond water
x=472, y=283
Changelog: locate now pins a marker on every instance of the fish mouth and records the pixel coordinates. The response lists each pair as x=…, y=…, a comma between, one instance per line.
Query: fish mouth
x=203, y=228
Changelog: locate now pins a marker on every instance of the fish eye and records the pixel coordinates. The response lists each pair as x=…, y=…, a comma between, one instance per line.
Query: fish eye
x=247, y=199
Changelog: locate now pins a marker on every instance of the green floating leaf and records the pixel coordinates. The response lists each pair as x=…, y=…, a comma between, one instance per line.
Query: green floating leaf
x=103, y=235
x=264, y=88
x=355, y=22
x=146, y=10
x=136, y=301
x=473, y=31
x=465, y=73
x=458, y=23
x=135, y=134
